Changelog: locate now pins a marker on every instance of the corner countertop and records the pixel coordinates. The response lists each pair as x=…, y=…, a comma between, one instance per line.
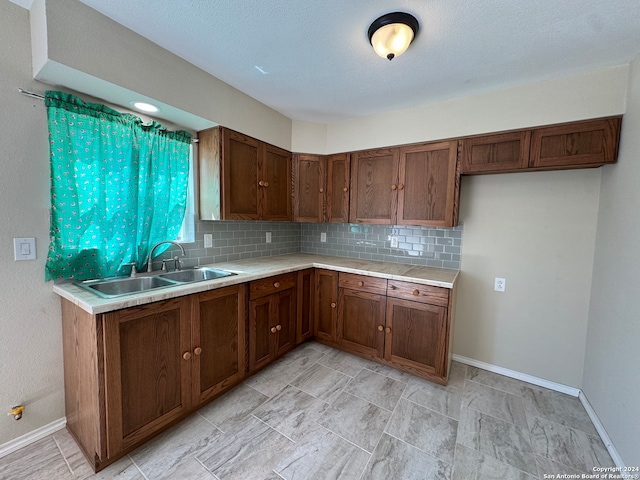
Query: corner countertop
x=257, y=268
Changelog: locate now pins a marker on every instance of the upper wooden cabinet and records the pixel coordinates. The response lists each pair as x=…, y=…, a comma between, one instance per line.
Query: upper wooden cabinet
x=321, y=188
x=590, y=143
x=495, y=153
x=252, y=178
x=411, y=185
x=309, y=173
x=337, y=191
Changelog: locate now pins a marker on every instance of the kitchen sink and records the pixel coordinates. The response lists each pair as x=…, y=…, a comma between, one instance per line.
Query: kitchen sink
x=195, y=275
x=114, y=287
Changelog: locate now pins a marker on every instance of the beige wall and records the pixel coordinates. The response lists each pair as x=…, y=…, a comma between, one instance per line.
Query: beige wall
x=30, y=333
x=90, y=53
x=536, y=230
x=612, y=367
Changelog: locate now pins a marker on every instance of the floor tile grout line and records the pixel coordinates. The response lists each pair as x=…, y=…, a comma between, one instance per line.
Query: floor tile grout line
x=494, y=417
x=494, y=388
x=205, y=467
x=53, y=437
x=524, y=384
x=433, y=410
x=137, y=467
x=566, y=426
x=500, y=461
x=558, y=462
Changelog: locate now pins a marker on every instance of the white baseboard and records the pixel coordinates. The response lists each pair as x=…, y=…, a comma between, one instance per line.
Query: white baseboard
x=602, y=432
x=31, y=437
x=541, y=382
x=558, y=387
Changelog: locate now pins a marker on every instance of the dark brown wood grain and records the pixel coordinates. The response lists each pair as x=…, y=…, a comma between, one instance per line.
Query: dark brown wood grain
x=305, y=304
x=495, y=153
x=326, y=306
x=361, y=321
x=310, y=188
x=338, y=184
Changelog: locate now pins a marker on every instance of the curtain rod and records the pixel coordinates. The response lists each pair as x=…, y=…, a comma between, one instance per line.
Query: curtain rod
x=41, y=97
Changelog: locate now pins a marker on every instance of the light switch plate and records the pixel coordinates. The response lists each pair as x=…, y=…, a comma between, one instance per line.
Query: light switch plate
x=323, y=236
x=208, y=240
x=24, y=248
x=268, y=237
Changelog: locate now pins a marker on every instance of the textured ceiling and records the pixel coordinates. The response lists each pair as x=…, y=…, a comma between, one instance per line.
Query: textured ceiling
x=320, y=67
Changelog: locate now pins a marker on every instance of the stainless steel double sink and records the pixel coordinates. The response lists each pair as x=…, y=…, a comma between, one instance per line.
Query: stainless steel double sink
x=118, y=286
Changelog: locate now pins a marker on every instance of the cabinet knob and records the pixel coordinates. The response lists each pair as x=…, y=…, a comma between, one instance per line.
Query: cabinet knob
x=361, y=284
x=276, y=284
x=186, y=355
x=416, y=292
x=197, y=350
x=278, y=327
x=261, y=183
x=393, y=187
x=345, y=189
x=380, y=328
x=333, y=304
x=388, y=329
x=321, y=190
x=265, y=184
x=400, y=186
x=273, y=330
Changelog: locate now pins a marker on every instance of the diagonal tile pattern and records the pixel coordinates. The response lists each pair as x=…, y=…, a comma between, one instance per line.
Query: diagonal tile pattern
x=318, y=413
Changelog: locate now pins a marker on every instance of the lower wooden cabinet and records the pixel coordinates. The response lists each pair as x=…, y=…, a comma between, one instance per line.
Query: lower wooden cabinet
x=132, y=372
x=400, y=324
x=305, y=304
x=325, y=326
x=272, y=319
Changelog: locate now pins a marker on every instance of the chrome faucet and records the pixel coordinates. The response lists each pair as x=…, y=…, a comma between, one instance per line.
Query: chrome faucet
x=150, y=265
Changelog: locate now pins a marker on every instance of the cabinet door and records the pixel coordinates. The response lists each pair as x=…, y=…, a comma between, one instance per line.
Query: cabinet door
x=284, y=321
x=309, y=189
x=337, y=204
x=147, y=370
x=427, y=186
x=504, y=152
x=416, y=336
x=218, y=340
x=306, y=290
x=276, y=186
x=374, y=182
x=326, y=306
x=241, y=157
x=261, y=311
x=361, y=322
x=209, y=148
x=589, y=143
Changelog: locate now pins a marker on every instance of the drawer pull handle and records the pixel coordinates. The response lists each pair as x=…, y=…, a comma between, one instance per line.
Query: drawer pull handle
x=273, y=330
x=393, y=187
x=261, y=183
x=380, y=328
x=276, y=284
x=388, y=329
x=266, y=184
x=278, y=327
x=400, y=186
x=333, y=304
x=322, y=190
x=345, y=189
x=361, y=284
x=416, y=292
x=187, y=355
x=197, y=350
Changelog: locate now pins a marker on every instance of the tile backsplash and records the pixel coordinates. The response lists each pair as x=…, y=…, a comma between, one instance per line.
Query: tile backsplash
x=428, y=246
x=237, y=240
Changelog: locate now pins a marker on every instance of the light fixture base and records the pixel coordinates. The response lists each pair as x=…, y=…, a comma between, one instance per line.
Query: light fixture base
x=391, y=34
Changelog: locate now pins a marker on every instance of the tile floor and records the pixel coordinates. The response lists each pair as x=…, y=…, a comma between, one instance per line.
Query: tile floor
x=318, y=413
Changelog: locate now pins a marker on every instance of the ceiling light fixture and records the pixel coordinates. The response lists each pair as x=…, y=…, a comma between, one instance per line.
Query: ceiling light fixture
x=145, y=107
x=391, y=34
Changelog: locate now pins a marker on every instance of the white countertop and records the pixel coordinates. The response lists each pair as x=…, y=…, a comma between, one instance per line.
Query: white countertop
x=257, y=268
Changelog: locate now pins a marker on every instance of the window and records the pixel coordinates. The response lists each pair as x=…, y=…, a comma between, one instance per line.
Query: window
x=188, y=231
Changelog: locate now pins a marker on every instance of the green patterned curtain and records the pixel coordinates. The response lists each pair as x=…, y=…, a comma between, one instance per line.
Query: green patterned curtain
x=117, y=187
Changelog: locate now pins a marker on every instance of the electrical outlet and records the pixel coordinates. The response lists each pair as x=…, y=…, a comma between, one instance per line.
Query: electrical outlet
x=394, y=242
x=500, y=284
x=268, y=239
x=323, y=236
x=208, y=240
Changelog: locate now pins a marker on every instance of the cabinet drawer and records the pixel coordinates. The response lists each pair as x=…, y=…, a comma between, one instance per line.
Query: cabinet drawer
x=362, y=283
x=267, y=286
x=418, y=293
